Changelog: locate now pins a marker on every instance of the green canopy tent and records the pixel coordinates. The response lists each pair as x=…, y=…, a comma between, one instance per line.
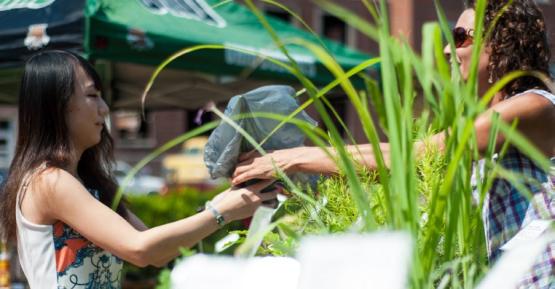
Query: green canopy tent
x=146, y=32
x=129, y=38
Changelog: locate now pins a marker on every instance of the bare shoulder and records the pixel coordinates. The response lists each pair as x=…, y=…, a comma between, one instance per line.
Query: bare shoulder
x=52, y=179
x=41, y=197
x=527, y=106
x=51, y=185
x=534, y=113
x=536, y=117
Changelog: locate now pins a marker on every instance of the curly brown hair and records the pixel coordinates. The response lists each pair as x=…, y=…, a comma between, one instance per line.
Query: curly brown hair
x=518, y=41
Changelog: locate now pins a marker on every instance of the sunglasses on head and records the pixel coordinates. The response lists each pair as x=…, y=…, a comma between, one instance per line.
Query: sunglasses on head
x=462, y=36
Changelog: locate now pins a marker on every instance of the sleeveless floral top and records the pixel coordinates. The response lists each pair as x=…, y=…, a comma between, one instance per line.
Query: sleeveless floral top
x=58, y=257
x=81, y=264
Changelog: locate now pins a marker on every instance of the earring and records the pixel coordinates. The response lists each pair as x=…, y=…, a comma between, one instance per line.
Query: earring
x=490, y=79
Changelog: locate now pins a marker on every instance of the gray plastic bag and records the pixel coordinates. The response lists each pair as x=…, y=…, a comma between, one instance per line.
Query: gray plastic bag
x=225, y=144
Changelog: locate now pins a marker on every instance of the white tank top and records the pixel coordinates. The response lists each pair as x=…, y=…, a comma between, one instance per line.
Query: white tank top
x=541, y=92
x=58, y=257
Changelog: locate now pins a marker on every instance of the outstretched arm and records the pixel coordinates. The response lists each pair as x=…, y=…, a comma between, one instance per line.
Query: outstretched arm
x=536, y=116
x=59, y=191
x=301, y=159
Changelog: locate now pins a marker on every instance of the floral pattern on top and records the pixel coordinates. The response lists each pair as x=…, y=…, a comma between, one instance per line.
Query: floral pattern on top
x=82, y=264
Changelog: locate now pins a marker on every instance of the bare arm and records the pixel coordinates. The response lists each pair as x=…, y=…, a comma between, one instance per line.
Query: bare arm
x=60, y=191
x=536, y=117
x=536, y=121
x=301, y=159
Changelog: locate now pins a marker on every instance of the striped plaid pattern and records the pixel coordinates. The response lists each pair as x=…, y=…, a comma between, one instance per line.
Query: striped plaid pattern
x=506, y=211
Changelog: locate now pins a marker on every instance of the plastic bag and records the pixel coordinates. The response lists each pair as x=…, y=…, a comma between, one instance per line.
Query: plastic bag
x=225, y=144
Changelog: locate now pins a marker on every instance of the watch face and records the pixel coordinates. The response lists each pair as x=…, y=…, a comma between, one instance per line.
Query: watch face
x=220, y=220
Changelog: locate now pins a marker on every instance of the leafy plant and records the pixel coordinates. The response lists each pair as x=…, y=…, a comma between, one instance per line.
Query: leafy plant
x=419, y=189
x=155, y=210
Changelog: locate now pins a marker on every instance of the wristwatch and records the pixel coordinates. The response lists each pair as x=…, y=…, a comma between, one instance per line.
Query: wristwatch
x=219, y=218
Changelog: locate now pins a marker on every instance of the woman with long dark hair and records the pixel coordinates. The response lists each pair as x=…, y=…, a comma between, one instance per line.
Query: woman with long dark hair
x=57, y=198
x=518, y=43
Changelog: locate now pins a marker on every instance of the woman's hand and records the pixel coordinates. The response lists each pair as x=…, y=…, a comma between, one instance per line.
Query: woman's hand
x=252, y=165
x=237, y=204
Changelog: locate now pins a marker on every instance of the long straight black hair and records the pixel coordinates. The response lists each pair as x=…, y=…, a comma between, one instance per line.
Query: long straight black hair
x=47, y=85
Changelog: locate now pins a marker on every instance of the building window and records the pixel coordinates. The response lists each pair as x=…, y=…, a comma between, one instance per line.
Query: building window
x=277, y=12
x=7, y=142
x=131, y=130
x=280, y=14
x=334, y=28
x=339, y=104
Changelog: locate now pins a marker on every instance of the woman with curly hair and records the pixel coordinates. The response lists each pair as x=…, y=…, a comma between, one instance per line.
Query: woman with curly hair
x=57, y=198
x=518, y=42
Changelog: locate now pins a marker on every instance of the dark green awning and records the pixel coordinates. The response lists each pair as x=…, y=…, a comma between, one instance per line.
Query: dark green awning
x=128, y=38
x=146, y=32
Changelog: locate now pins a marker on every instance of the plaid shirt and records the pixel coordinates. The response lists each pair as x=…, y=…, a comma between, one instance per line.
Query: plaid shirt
x=506, y=211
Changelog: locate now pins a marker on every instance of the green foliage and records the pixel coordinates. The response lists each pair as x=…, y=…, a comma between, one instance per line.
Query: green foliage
x=420, y=190
x=164, y=281
x=335, y=208
x=156, y=210
x=274, y=243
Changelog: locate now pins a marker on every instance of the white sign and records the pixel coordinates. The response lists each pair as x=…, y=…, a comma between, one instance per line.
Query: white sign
x=18, y=4
x=188, y=9
x=210, y=272
x=374, y=261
